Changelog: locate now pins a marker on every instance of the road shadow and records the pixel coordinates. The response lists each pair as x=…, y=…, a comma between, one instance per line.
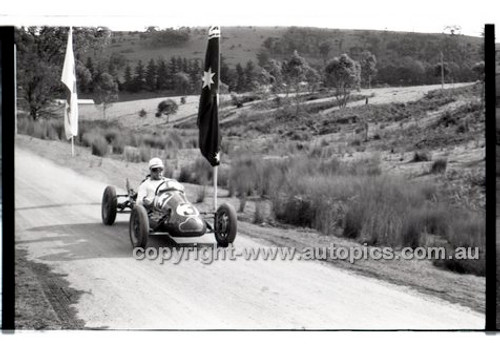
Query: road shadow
x=55, y=206
x=95, y=240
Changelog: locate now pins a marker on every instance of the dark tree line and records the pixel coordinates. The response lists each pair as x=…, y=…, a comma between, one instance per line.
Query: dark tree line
x=177, y=74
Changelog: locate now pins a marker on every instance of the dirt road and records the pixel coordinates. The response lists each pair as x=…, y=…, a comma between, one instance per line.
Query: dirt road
x=58, y=224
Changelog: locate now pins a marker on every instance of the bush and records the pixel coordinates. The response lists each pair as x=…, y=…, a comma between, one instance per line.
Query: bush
x=143, y=113
x=99, y=146
x=185, y=174
x=439, y=166
x=118, y=145
x=466, y=230
x=167, y=107
x=414, y=228
x=200, y=194
x=144, y=153
x=131, y=154
x=258, y=217
x=385, y=210
x=420, y=156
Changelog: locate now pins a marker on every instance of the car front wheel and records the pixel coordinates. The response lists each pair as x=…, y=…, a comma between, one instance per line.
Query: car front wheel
x=139, y=227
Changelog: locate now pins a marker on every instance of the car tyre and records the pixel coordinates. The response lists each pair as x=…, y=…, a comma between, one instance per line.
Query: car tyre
x=108, y=206
x=139, y=227
x=226, y=225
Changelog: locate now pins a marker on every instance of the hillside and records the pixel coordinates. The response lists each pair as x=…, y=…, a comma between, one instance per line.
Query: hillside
x=238, y=44
x=241, y=44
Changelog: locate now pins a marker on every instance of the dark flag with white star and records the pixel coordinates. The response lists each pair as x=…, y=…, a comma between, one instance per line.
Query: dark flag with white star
x=208, y=115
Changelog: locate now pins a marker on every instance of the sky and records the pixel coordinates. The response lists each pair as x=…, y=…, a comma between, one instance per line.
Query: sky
x=427, y=16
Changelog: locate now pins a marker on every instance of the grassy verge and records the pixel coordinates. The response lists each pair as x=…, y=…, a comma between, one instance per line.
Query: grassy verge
x=353, y=200
x=108, y=138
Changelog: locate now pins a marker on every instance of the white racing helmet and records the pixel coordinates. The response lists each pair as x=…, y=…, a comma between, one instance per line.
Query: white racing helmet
x=155, y=163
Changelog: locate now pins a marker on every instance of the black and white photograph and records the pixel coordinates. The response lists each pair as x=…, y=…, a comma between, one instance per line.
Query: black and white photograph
x=184, y=174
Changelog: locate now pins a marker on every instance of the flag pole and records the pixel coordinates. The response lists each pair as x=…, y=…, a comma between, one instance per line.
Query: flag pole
x=15, y=89
x=72, y=136
x=218, y=85
x=215, y=187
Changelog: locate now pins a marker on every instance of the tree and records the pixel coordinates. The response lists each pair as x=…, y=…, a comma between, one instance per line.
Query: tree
x=263, y=57
x=90, y=65
x=240, y=78
x=105, y=91
x=344, y=74
x=167, y=107
x=195, y=73
x=117, y=62
x=445, y=71
x=150, y=77
x=128, y=79
x=162, y=78
x=182, y=82
x=227, y=75
x=478, y=70
x=275, y=70
x=40, y=55
x=139, y=81
x=83, y=78
x=295, y=73
x=368, y=67
x=324, y=50
x=250, y=72
x=313, y=79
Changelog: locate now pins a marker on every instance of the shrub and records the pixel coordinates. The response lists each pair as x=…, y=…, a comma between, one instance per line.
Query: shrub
x=420, y=156
x=131, y=154
x=144, y=153
x=243, y=202
x=202, y=171
x=111, y=134
x=185, y=174
x=355, y=142
x=380, y=209
x=167, y=107
x=244, y=175
x=118, y=145
x=143, y=113
x=200, y=194
x=439, y=166
x=467, y=230
x=414, y=228
x=99, y=146
x=258, y=217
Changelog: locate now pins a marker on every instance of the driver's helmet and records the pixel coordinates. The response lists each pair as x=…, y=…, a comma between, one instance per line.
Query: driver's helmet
x=155, y=163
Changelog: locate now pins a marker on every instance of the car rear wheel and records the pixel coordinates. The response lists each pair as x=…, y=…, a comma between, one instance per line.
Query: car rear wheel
x=226, y=225
x=139, y=227
x=108, y=206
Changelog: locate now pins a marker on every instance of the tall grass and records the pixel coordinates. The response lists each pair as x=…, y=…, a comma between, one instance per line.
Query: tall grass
x=98, y=135
x=353, y=199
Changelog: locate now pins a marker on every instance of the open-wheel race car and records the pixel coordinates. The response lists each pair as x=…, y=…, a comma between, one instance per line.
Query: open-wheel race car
x=170, y=213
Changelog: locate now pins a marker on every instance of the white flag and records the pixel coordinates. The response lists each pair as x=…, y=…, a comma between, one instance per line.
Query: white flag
x=69, y=79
